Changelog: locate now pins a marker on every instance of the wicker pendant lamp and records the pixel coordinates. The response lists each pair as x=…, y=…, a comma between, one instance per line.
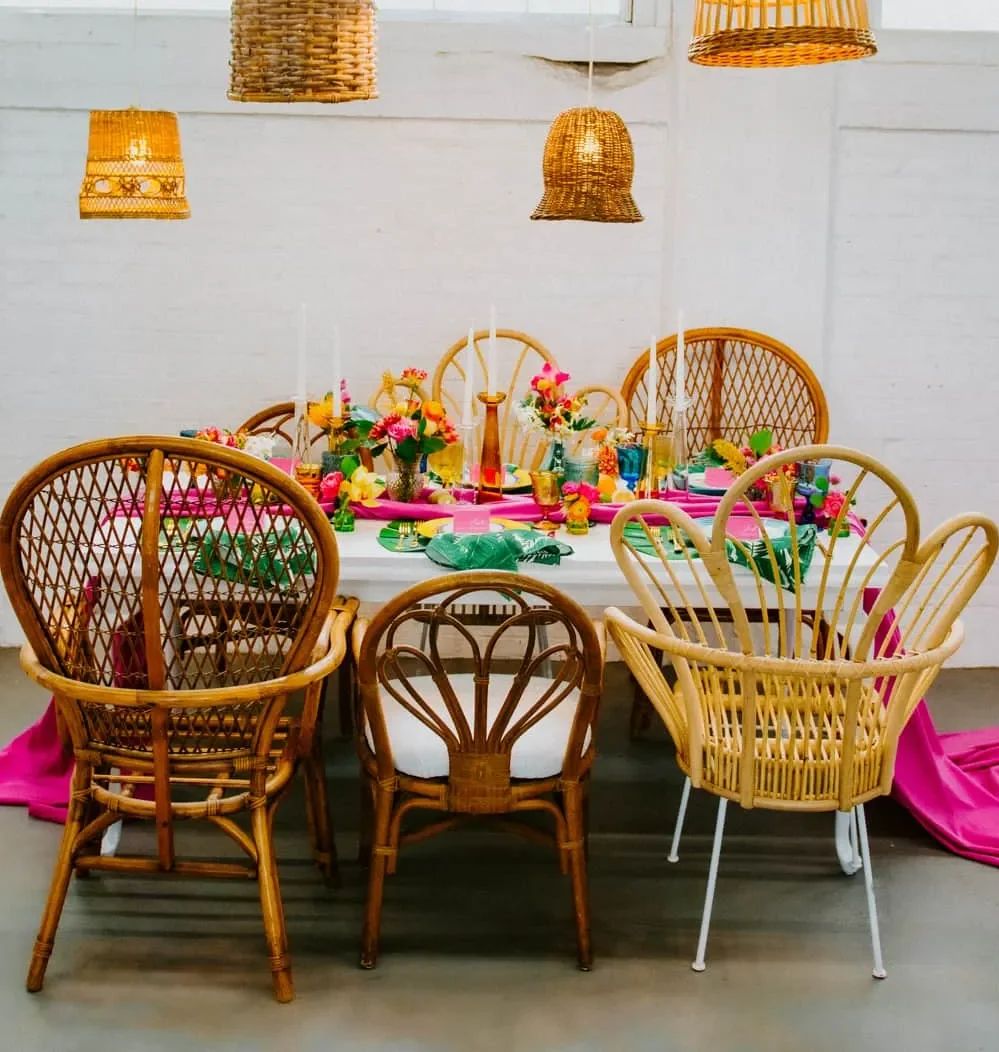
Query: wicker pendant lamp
x=303, y=51
x=589, y=163
x=772, y=33
x=134, y=167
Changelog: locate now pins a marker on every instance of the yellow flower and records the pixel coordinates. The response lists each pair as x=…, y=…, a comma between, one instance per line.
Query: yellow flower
x=321, y=413
x=731, y=454
x=364, y=487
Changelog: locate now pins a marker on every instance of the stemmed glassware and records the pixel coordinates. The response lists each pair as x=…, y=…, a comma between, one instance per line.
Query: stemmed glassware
x=548, y=496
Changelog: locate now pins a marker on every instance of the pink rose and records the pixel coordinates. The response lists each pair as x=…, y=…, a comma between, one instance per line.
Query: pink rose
x=400, y=430
x=834, y=504
x=329, y=488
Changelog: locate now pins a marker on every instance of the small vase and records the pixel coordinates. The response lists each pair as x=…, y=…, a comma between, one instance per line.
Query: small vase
x=343, y=519
x=406, y=483
x=556, y=458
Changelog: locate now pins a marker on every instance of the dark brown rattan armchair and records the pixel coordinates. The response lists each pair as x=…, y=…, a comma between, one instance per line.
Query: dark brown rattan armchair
x=173, y=655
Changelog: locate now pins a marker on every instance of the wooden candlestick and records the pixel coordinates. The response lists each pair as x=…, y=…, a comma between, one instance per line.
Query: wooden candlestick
x=491, y=461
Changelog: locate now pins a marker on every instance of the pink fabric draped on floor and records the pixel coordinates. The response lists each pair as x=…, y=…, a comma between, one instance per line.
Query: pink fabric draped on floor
x=949, y=782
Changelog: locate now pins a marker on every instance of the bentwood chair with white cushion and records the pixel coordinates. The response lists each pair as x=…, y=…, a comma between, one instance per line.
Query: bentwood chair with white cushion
x=470, y=725
x=518, y=358
x=173, y=657
x=801, y=710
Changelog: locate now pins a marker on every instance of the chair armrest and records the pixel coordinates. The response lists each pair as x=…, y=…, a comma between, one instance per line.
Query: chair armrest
x=357, y=636
x=332, y=643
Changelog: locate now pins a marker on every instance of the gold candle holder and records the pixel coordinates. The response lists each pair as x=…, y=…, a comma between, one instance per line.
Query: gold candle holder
x=308, y=477
x=335, y=436
x=491, y=461
x=647, y=485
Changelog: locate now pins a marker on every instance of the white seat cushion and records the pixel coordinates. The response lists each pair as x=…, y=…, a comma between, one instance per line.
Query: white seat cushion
x=422, y=753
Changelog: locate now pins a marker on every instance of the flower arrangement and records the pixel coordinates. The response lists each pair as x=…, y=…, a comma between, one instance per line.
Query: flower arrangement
x=414, y=428
x=548, y=409
x=348, y=439
x=830, y=507
x=577, y=499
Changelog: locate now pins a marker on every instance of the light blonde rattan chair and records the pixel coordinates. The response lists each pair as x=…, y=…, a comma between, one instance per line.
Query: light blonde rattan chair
x=176, y=672
x=603, y=404
x=824, y=687
x=738, y=382
x=519, y=357
x=500, y=740
x=279, y=420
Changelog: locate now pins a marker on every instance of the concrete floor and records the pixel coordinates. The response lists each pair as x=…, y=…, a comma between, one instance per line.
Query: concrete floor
x=477, y=949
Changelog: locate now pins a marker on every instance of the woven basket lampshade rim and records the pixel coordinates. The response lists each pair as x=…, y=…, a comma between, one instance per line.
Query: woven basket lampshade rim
x=117, y=184
x=785, y=47
x=597, y=190
x=607, y=207
x=322, y=51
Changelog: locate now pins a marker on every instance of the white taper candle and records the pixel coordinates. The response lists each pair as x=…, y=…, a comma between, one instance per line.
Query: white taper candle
x=337, y=373
x=466, y=409
x=491, y=363
x=300, y=380
x=681, y=365
x=652, y=386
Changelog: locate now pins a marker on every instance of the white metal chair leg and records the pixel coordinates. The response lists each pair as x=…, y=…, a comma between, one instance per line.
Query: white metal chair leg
x=855, y=840
x=709, y=898
x=872, y=908
x=678, y=827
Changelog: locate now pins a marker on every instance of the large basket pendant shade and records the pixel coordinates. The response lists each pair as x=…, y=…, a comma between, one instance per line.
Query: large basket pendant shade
x=771, y=33
x=303, y=51
x=588, y=166
x=134, y=167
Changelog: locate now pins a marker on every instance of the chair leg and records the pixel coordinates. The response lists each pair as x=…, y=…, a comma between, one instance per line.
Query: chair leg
x=376, y=877
x=855, y=840
x=872, y=906
x=61, y=876
x=317, y=809
x=674, y=846
x=709, y=898
x=271, y=905
x=575, y=830
x=367, y=822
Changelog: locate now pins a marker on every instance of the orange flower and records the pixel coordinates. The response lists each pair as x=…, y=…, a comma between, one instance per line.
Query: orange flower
x=599, y=434
x=321, y=413
x=433, y=410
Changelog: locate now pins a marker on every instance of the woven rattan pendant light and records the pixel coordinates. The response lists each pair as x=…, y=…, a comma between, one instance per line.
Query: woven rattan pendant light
x=134, y=165
x=589, y=163
x=303, y=51
x=771, y=33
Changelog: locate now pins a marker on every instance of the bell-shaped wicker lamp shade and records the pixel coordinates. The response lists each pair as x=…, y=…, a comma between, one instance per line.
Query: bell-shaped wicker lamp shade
x=303, y=51
x=134, y=167
x=770, y=33
x=588, y=167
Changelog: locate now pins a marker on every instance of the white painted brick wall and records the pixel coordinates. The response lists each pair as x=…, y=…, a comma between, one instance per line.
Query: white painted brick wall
x=851, y=211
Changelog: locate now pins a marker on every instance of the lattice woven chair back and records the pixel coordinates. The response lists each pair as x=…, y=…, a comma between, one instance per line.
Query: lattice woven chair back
x=739, y=382
x=172, y=619
x=603, y=404
x=480, y=716
x=519, y=357
x=858, y=616
x=279, y=420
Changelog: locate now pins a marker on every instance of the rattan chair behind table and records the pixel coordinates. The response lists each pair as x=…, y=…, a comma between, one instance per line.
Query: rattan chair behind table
x=738, y=382
x=482, y=731
x=823, y=683
x=173, y=656
x=518, y=358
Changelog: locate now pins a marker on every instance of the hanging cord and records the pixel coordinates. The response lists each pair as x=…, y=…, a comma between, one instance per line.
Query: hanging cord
x=593, y=49
x=135, y=53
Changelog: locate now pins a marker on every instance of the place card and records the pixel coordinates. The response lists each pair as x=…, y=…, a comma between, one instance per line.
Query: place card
x=470, y=518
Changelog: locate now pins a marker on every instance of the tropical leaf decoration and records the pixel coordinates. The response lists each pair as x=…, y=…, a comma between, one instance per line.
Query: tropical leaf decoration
x=780, y=569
